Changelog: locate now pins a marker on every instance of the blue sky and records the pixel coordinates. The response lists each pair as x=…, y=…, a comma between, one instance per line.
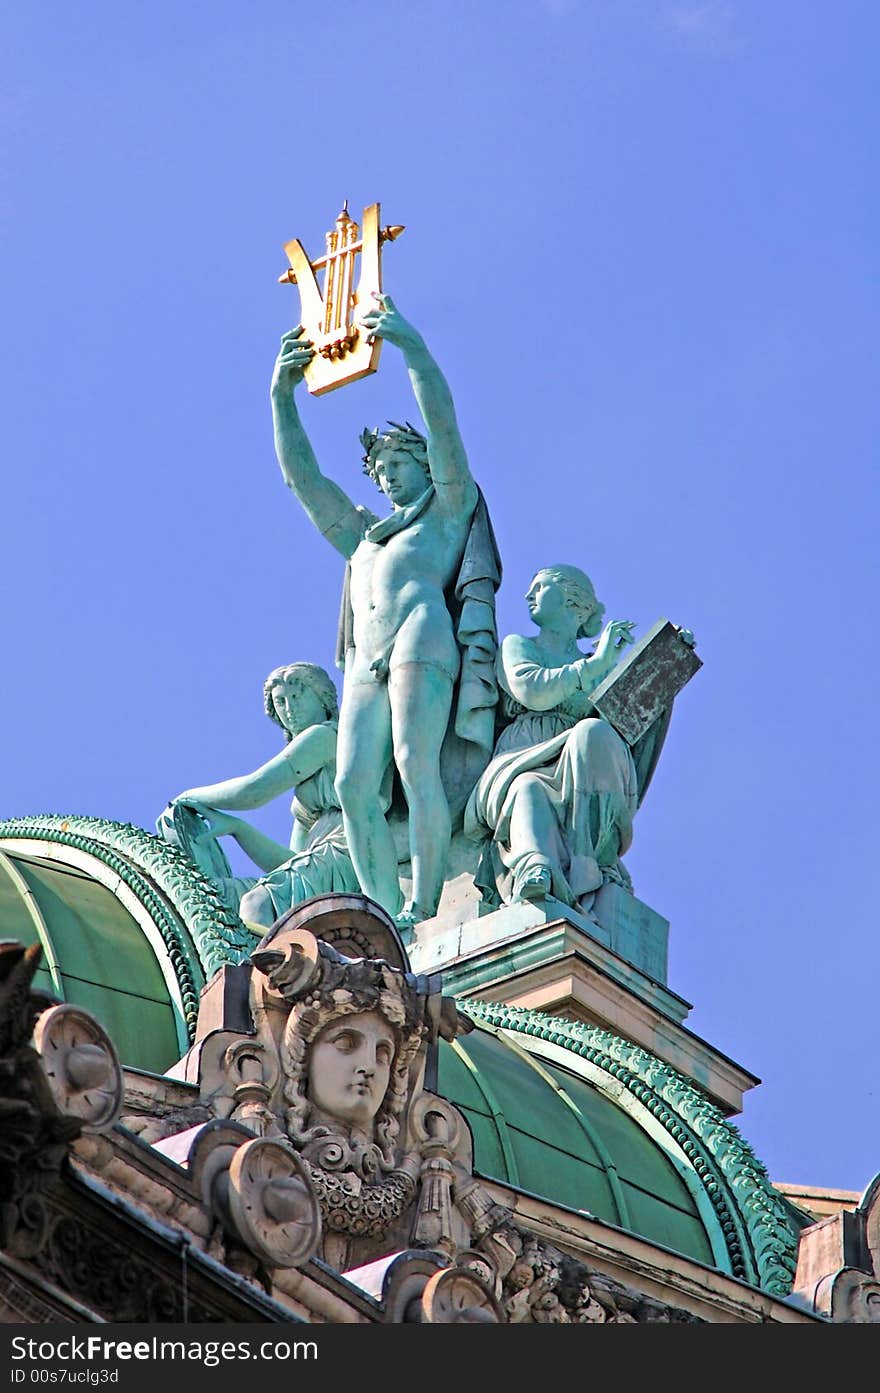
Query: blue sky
x=642, y=242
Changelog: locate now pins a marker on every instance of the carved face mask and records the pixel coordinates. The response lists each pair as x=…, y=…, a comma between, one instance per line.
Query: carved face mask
x=349, y=1068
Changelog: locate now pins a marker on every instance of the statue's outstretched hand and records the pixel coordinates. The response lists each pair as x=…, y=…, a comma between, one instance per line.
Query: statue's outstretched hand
x=217, y=824
x=294, y=356
x=384, y=321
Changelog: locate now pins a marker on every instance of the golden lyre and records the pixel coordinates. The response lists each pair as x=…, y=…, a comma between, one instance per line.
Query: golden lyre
x=344, y=350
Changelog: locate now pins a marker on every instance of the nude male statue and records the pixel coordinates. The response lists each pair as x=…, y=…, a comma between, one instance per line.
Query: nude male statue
x=403, y=659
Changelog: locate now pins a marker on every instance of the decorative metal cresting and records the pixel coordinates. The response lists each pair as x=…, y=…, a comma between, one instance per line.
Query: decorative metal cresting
x=343, y=350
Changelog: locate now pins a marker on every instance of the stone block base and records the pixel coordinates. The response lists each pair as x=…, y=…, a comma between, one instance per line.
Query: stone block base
x=544, y=956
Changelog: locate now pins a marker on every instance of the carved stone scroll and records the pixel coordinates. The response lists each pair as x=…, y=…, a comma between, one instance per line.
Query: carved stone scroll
x=419, y=1288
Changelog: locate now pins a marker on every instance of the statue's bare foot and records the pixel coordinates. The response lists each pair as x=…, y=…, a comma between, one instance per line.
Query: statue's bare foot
x=412, y=914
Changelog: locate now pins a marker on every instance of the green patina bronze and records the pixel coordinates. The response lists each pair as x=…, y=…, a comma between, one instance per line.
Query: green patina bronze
x=301, y=699
x=413, y=669
x=556, y=803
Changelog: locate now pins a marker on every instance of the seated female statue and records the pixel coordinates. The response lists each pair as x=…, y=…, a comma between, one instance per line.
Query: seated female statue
x=558, y=796
x=301, y=698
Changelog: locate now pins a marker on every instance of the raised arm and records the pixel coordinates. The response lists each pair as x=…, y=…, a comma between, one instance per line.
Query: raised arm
x=330, y=509
x=447, y=460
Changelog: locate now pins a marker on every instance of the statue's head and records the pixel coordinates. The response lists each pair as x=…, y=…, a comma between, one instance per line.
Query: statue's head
x=578, y=594
x=397, y=461
x=299, y=695
x=349, y=1045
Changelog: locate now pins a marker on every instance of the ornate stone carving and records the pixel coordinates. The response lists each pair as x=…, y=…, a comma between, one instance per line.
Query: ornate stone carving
x=403, y=1284
x=272, y=1202
x=353, y=1126
x=47, y=1100
x=355, y=926
x=335, y=1067
x=365, y=1211
x=351, y=1058
x=437, y=1128
x=256, y=1070
x=82, y=1260
x=456, y=1296
x=535, y=1283
x=81, y=1253
x=514, y=1278
x=419, y=1288
x=81, y=1065
x=259, y=1191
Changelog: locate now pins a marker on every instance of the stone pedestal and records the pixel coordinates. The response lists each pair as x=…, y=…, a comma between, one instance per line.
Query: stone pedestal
x=617, y=920
x=609, y=970
x=626, y=925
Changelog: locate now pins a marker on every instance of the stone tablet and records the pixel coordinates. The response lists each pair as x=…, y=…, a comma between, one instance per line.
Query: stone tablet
x=646, y=682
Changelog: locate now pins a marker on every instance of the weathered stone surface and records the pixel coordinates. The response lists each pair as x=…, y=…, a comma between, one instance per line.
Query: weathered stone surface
x=223, y=1001
x=838, y=1266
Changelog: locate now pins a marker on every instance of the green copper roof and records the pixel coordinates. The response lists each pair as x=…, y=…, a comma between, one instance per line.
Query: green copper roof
x=540, y=1127
x=130, y=929
x=94, y=954
x=199, y=930
x=655, y=1155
